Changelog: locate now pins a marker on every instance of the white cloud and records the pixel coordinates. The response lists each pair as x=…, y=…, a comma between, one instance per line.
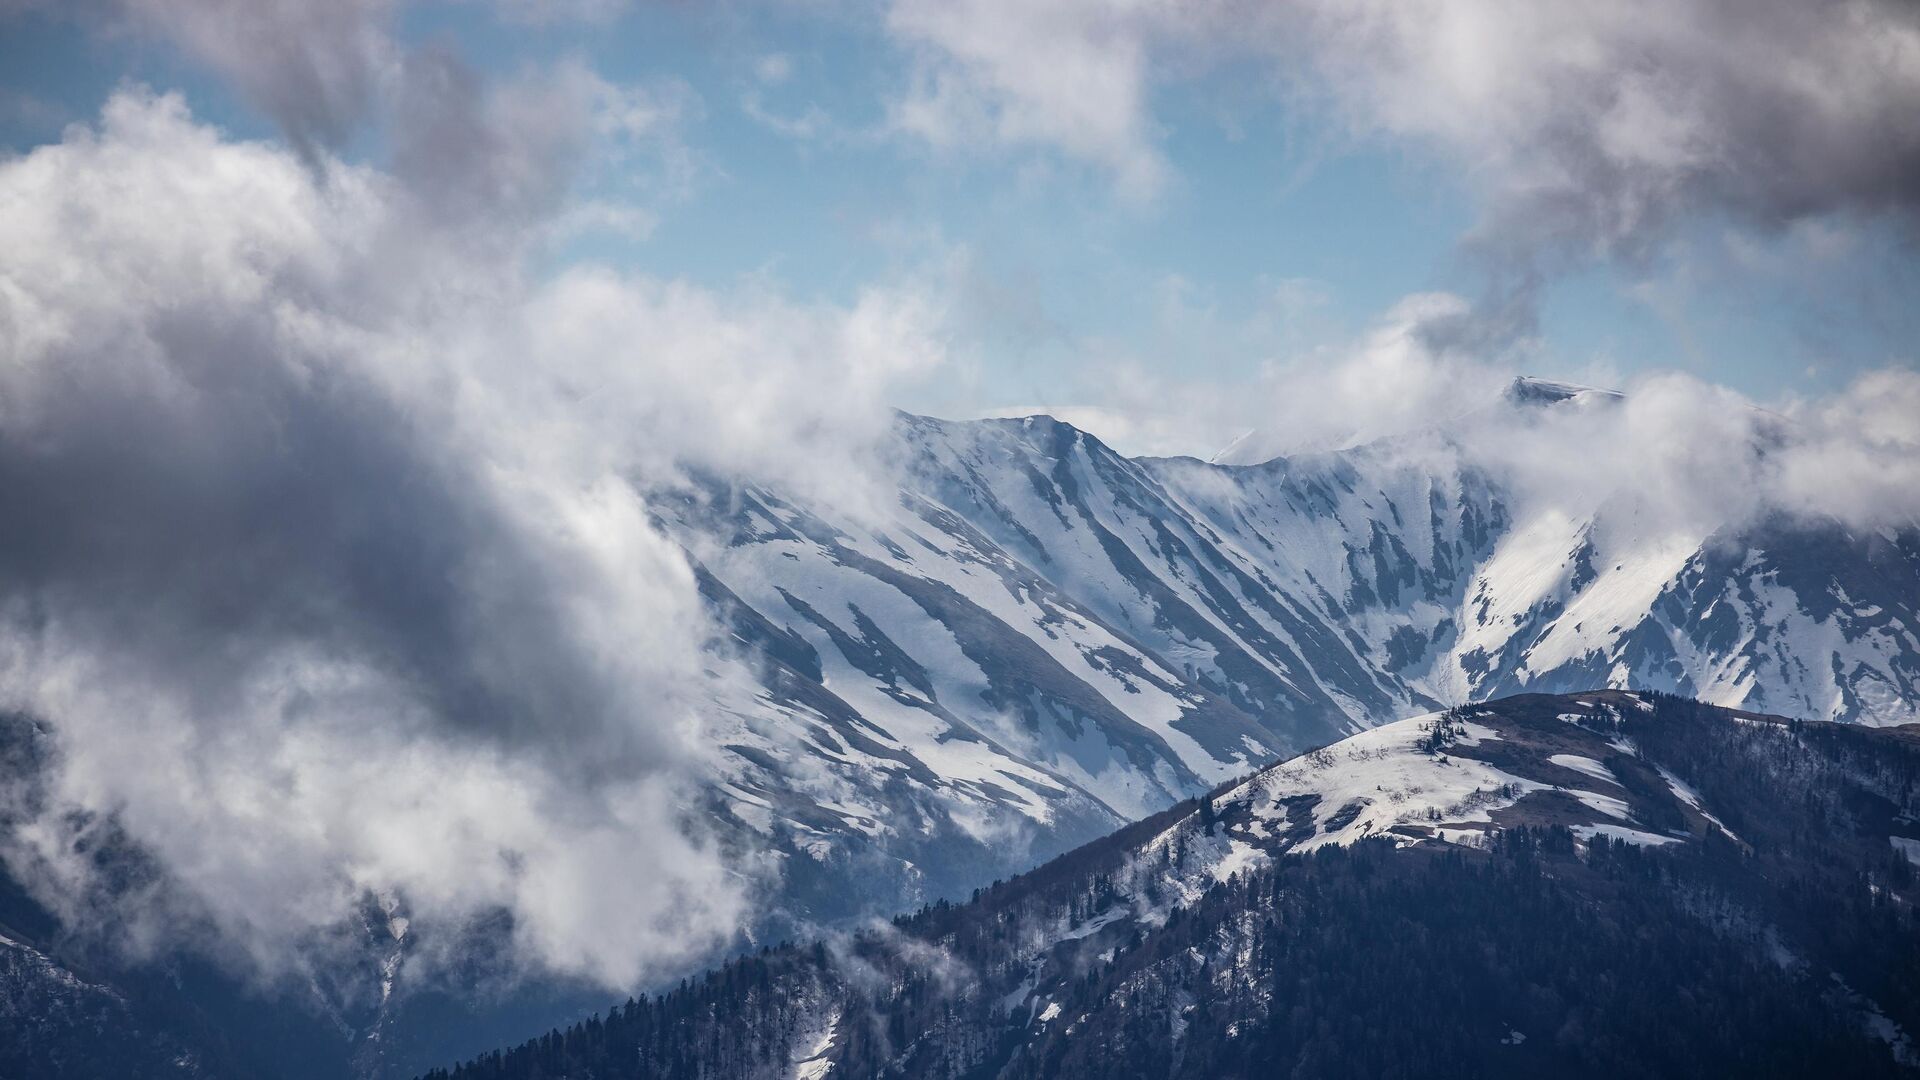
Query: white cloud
x=804, y=125
x=1396, y=378
x=1688, y=455
x=320, y=70
x=1857, y=455
x=1071, y=74
x=1292, y=386
x=323, y=551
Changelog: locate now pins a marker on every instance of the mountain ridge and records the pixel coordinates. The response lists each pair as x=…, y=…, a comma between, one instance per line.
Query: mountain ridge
x=1037, y=640
x=1136, y=629
x=1754, y=861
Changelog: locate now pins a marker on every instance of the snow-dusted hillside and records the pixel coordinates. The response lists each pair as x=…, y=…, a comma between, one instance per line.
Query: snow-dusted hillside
x=1600, y=884
x=1454, y=777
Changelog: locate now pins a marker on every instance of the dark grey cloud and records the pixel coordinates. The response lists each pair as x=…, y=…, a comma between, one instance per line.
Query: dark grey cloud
x=1589, y=130
x=315, y=68
x=324, y=554
x=297, y=612
x=473, y=152
x=1597, y=129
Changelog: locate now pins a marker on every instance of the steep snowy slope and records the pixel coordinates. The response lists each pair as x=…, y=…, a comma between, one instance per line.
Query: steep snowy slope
x=1044, y=639
x=1798, y=616
x=1788, y=613
x=1041, y=638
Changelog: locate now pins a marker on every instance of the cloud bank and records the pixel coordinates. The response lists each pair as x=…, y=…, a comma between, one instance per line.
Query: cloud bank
x=1691, y=456
x=1598, y=130
x=322, y=544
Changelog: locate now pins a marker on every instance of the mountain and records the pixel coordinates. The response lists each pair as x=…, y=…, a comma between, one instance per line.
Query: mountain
x=1036, y=639
x=1027, y=640
x=1596, y=884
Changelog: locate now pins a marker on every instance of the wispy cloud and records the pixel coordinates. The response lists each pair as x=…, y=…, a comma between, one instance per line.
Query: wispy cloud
x=1071, y=75
x=1588, y=132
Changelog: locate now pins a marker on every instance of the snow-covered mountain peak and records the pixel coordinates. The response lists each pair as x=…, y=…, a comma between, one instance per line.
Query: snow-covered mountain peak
x=1042, y=638
x=1527, y=390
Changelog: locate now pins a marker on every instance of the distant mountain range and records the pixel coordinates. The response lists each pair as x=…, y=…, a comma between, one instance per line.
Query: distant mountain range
x=1035, y=641
x=1043, y=639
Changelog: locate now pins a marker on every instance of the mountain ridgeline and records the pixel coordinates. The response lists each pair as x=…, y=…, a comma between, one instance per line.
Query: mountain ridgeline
x=1599, y=884
x=1037, y=639
x=1032, y=643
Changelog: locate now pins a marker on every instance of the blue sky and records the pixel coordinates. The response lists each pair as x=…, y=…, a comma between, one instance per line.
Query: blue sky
x=1279, y=229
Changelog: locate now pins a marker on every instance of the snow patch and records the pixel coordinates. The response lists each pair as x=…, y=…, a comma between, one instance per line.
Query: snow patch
x=1378, y=779
x=1586, y=766
x=814, y=1064
x=1243, y=857
x=1616, y=832
x=1685, y=793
